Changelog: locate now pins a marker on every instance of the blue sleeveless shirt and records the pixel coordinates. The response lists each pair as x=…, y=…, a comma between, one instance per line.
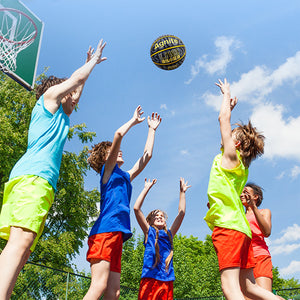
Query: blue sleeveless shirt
x=114, y=204
x=159, y=272
x=46, y=138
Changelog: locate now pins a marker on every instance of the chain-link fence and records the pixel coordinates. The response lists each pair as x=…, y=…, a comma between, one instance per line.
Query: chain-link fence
x=37, y=282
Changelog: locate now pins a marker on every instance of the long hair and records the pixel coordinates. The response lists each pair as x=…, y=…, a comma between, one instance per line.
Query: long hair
x=45, y=84
x=258, y=191
x=252, y=142
x=150, y=221
x=98, y=155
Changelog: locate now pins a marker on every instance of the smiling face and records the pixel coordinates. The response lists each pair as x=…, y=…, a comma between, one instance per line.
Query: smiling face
x=159, y=220
x=248, y=193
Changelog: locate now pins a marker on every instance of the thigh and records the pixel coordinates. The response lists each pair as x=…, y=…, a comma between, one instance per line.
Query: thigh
x=100, y=270
x=22, y=237
x=113, y=286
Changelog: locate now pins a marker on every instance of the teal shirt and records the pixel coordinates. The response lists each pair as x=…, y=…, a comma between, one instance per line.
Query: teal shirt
x=46, y=138
x=224, y=190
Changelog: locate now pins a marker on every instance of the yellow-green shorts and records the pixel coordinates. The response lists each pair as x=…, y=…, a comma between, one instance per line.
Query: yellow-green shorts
x=27, y=200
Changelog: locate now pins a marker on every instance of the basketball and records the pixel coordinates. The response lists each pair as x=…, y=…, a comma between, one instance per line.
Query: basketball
x=168, y=52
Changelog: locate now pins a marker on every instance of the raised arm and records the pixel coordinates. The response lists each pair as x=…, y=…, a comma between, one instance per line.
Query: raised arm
x=263, y=216
x=230, y=158
x=77, y=93
x=54, y=95
x=181, y=207
x=141, y=163
x=115, y=147
x=138, y=204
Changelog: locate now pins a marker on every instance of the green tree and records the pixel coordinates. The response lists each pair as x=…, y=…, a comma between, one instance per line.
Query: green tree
x=69, y=218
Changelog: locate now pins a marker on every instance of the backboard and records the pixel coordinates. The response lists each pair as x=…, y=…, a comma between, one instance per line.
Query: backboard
x=20, y=40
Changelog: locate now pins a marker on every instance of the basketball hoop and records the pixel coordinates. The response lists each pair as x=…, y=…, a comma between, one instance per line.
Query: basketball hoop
x=17, y=32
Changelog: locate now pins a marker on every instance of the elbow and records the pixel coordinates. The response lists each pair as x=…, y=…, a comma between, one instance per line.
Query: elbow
x=147, y=156
x=267, y=234
x=118, y=135
x=181, y=213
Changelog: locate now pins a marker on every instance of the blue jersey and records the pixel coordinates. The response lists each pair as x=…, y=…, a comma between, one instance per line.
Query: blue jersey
x=115, y=204
x=159, y=272
x=46, y=138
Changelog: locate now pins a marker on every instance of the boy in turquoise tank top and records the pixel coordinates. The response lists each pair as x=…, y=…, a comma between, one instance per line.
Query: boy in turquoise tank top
x=29, y=193
x=231, y=232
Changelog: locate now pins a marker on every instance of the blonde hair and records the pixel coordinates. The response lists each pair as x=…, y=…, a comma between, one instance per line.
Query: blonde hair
x=150, y=221
x=252, y=142
x=98, y=155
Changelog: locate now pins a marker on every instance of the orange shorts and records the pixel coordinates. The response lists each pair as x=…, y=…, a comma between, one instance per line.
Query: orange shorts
x=233, y=248
x=263, y=266
x=152, y=289
x=106, y=246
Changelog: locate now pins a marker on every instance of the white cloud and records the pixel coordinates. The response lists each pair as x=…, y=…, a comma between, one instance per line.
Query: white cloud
x=184, y=152
x=284, y=249
x=219, y=63
x=292, y=268
x=163, y=106
x=282, y=136
x=295, y=172
x=259, y=82
x=281, y=175
x=290, y=234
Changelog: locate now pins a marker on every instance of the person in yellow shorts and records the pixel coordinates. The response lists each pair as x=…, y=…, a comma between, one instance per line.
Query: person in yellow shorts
x=29, y=193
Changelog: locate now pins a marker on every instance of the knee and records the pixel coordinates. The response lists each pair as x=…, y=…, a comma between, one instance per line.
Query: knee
x=112, y=294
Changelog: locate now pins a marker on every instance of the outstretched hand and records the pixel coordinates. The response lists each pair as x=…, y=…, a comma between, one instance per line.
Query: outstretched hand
x=89, y=54
x=154, y=121
x=184, y=185
x=98, y=53
x=149, y=183
x=225, y=89
x=137, y=116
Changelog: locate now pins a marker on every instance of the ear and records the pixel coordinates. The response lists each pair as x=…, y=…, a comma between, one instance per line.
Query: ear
x=237, y=144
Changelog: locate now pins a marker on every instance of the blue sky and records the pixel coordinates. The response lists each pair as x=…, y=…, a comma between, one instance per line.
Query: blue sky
x=254, y=44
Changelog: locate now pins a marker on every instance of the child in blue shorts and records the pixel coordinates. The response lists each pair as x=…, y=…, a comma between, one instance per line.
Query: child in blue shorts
x=29, y=193
x=112, y=227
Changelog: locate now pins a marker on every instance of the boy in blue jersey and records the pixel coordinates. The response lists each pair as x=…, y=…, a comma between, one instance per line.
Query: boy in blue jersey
x=29, y=193
x=112, y=228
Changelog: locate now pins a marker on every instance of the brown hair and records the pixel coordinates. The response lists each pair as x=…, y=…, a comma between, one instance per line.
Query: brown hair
x=252, y=142
x=98, y=155
x=257, y=191
x=45, y=84
x=150, y=220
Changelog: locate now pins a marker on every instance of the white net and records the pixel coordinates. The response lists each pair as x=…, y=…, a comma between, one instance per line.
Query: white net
x=17, y=32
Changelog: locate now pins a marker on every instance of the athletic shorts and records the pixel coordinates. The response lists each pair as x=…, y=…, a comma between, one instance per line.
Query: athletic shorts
x=263, y=266
x=27, y=200
x=152, y=289
x=233, y=248
x=106, y=246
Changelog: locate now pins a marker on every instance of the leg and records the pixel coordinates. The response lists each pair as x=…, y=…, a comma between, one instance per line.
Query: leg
x=99, y=272
x=13, y=258
x=265, y=283
x=113, y=287
x=230, y=284
x=253, y=290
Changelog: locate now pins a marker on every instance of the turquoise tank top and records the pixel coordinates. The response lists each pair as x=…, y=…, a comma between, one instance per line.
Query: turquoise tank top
x=46, y=138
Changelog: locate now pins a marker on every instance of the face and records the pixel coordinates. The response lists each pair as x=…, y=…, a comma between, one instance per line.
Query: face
x=247, y=192
x=68, y=104
x=159, y=220
x=120, y=160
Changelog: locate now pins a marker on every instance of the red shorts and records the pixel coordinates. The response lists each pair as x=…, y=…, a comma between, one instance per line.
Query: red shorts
x=263, y=266
x=233, y=248
x=152, y=289
x=106, y=246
